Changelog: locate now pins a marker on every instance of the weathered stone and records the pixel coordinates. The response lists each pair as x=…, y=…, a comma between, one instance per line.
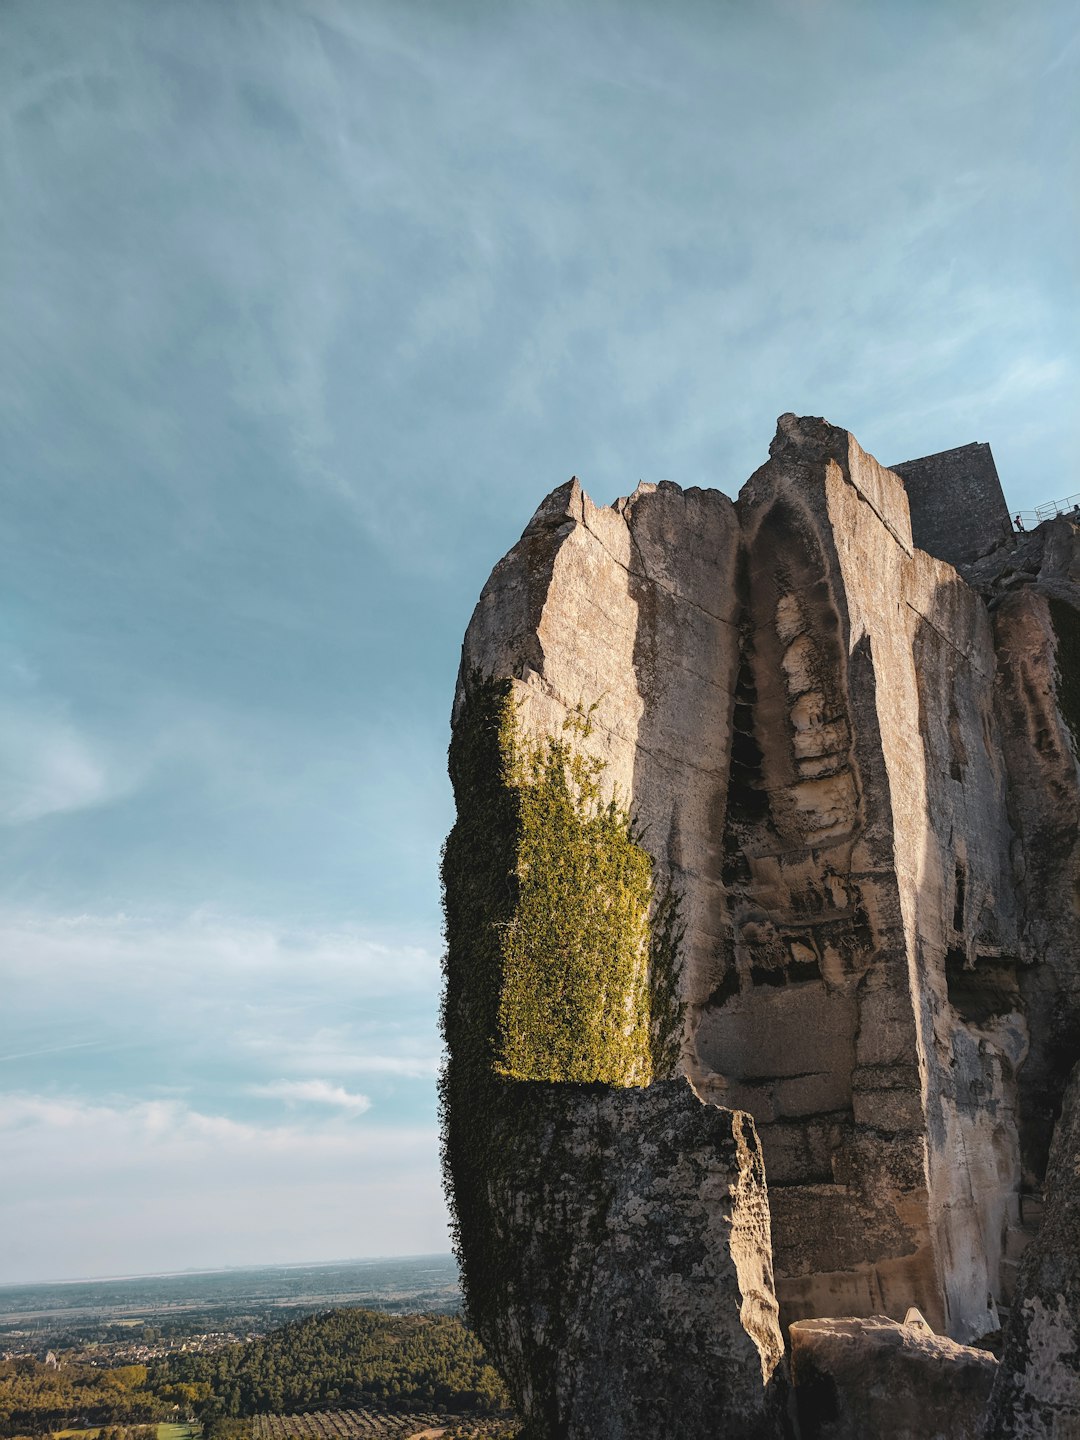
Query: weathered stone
x=854, y=771
x=1037, y=641
x=631, y=609
x=1037, y=1392
x=853, y=886
x=638, y=1296
x=862, y=1378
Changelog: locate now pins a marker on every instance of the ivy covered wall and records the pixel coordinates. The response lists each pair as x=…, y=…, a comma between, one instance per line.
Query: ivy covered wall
x=562, y=957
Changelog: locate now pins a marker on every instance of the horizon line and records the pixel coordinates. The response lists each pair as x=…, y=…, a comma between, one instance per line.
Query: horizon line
x=225, y=1269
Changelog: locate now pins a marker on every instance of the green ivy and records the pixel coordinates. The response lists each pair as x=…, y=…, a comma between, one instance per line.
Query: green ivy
x=574, y=1001
x=562, y=960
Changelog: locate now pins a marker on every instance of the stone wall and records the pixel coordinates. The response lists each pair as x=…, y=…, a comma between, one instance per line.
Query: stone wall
x=958, y=510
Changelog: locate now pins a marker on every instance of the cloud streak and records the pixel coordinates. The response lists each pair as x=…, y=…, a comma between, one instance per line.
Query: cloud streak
x=313, y=1092
x=48, y=767
x=236, y=1012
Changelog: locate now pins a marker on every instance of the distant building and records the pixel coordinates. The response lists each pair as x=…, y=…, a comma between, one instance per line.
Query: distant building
x=958, y=509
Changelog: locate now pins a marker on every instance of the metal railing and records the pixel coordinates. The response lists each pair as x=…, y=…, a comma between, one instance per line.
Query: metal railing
x=1070, y=506
x=1051, y=508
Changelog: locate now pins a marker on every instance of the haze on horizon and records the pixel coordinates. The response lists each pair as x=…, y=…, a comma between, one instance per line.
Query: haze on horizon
x=308, y=304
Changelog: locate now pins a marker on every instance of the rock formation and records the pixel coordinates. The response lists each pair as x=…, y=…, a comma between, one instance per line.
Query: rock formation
x=857, y=1379
x=1037, y=1392
x=762, y=812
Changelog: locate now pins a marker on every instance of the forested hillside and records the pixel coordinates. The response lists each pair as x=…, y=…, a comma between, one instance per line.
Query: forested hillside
x=342, y=1358
x=36, y=1397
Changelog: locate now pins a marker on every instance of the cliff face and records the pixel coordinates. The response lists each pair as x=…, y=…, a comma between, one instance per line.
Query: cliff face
x=761, y=796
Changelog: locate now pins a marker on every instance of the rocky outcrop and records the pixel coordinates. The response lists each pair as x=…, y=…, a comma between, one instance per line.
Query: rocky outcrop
x=860, y=1378
x=637, y=1294
x=1037, y=1395
x=861, y=862
x=763, y=796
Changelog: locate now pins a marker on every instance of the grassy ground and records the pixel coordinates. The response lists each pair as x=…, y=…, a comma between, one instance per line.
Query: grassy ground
x=164, y=1432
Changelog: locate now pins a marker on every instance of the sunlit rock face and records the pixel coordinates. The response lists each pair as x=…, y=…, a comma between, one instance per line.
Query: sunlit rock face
x=858, y=1378
x=867, y=859
x=852, y=769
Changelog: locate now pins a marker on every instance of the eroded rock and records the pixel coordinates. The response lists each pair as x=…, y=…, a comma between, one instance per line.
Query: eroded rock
x=862, y=1378
x=636, y=1296
x=763, y=796
x=1037, y=1394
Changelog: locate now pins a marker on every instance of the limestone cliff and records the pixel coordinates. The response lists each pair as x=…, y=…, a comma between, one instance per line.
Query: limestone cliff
x=762, y=812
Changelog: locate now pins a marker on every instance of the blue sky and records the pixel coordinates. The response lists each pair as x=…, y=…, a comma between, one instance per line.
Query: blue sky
x=307, y=303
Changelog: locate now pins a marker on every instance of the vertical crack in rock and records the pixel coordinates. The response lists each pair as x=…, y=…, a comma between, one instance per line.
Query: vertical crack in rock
x=761, y=796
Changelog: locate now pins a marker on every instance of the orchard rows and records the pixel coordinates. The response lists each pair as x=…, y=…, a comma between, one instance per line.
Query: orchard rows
x=345, y=1425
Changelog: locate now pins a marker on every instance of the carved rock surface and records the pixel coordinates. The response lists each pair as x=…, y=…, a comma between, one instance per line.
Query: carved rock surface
x=857, y=1379
x=853, y=769
x=631, y=609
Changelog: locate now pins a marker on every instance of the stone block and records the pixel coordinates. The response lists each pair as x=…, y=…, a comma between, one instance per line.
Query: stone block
x=637, y=1297
x=875, y=1379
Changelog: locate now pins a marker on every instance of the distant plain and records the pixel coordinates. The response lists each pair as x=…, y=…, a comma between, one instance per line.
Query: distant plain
x=241, y=1300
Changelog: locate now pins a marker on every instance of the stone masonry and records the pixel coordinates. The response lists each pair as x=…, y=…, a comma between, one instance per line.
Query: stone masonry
x=958, y=510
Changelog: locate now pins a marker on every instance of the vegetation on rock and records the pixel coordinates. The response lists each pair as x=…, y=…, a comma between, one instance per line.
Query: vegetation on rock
x=562, y=958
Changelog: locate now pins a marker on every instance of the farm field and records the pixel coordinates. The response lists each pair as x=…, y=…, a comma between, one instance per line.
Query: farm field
x=165, y=1431
x=346, y=1425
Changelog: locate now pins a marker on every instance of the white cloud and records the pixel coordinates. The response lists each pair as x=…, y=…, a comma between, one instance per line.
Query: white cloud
x=47, y=766
x=347, y=1050
x=141, y=1185
x=108, y=1004
x=312, y=1092
x=204, y=949
x=129, y=1133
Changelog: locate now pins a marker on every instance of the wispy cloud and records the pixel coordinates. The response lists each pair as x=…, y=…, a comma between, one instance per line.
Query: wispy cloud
x=188, y=952
x=312, y=1092
x=240, y=1011
x=50, y=1050
x=347, y=1050
x=47, y=766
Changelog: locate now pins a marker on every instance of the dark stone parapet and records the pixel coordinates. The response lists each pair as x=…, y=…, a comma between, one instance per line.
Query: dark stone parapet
x=958, y=509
